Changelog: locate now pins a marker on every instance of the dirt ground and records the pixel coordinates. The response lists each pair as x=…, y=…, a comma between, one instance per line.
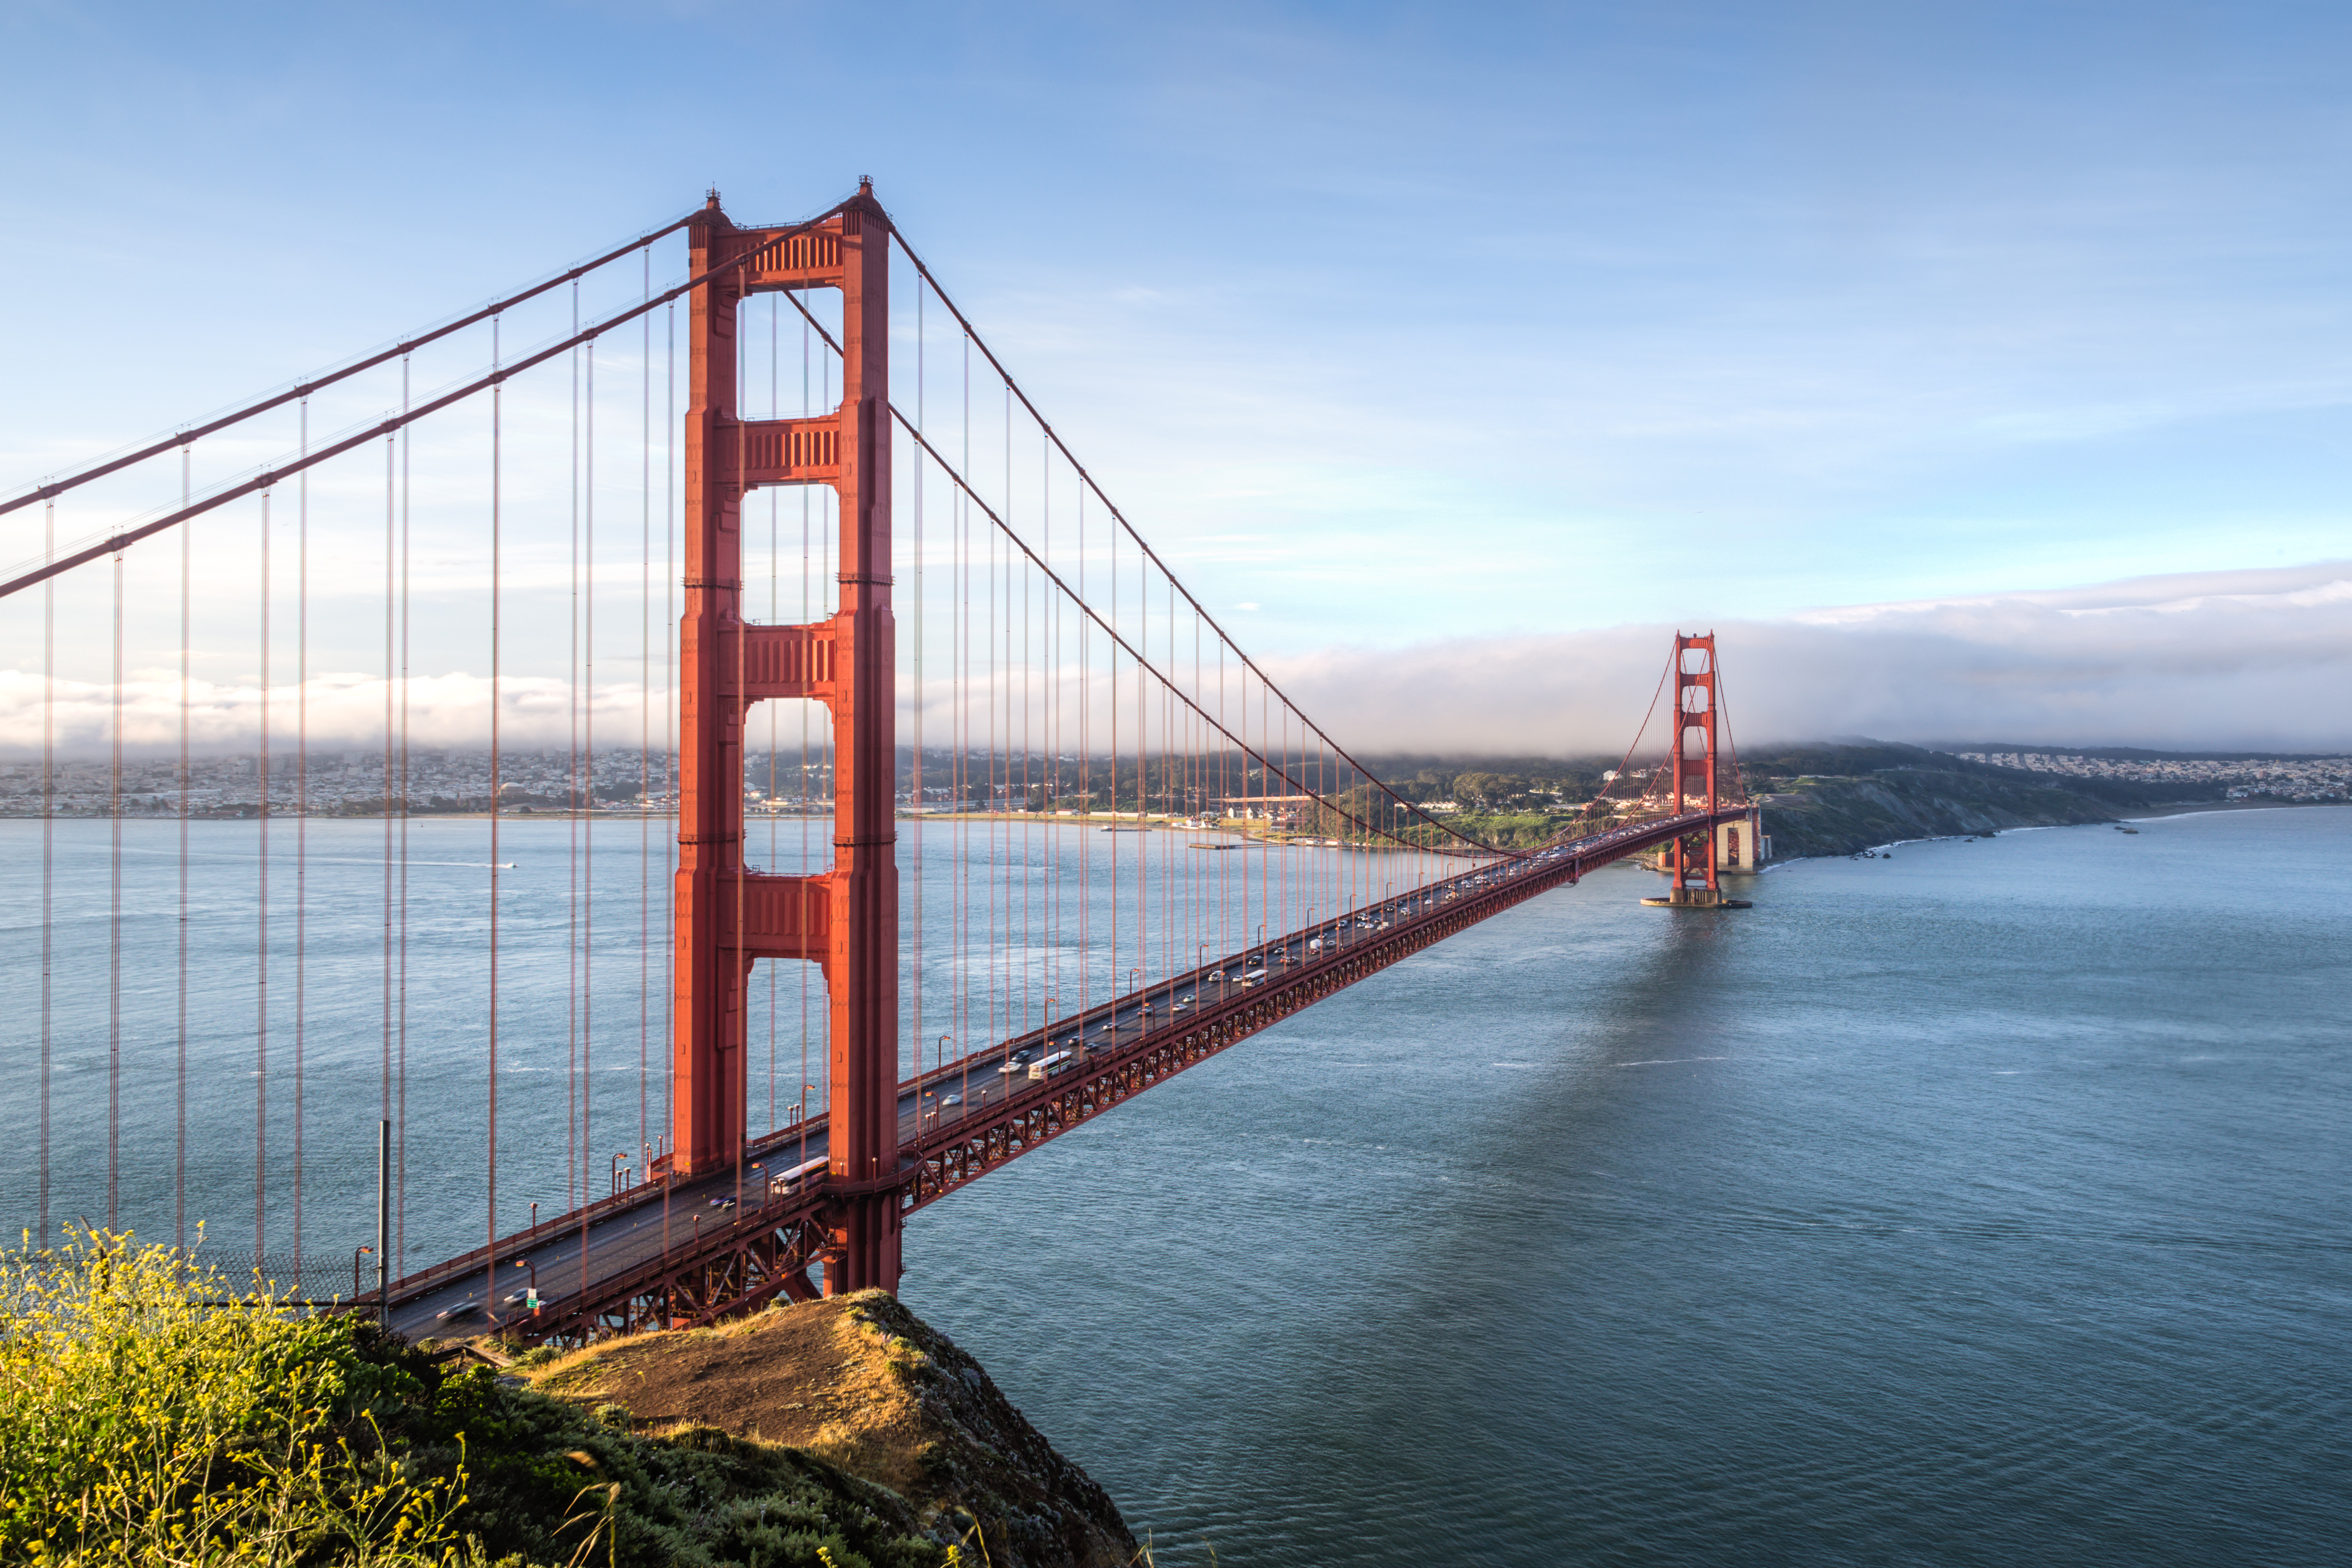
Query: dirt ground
x=860, y=1382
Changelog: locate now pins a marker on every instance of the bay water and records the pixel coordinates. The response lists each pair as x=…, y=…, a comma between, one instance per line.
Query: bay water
x=1983, y=1204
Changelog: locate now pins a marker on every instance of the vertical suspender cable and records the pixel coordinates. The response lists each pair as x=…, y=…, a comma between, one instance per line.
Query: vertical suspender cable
x=1085, y=771
x=585, y=813
x=1111, y=654
x=800, y=1093
x=490, y=1204
x=49, y=829
x=669, y=744
x=915, y=768
x=1142, y=784
x=992, y=833
x=800, y=1086
x=588, y=752
x=669, y=734
x=261, y=939
x=645, y=726
x=775, y=587
x=961, y=727
x=114, y=923
x=738, y=974
x=302, y=805
x=180, y=1085
x=400, y=1065
x=575, y=1159
x=391, y=674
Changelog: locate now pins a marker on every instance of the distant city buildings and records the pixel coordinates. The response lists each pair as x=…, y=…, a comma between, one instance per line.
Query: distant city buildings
x=343, y=783
x=2313, y=778
x=355, y=783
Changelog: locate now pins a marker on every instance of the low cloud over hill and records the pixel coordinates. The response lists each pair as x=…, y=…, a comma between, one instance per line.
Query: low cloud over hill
x=2238, y=659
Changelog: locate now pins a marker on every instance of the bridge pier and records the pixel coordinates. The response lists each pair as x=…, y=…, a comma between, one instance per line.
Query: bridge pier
x=1698, y=898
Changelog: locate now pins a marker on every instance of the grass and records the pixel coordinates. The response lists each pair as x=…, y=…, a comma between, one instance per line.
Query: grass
x=158, y=1412
x=142, y=1422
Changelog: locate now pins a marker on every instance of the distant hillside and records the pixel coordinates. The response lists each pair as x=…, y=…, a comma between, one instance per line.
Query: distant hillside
x=1840, y=797
x=1825, y=798
x=1837, y=816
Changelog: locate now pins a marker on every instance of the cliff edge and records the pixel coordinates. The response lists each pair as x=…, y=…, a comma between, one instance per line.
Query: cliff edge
x=861, y=1382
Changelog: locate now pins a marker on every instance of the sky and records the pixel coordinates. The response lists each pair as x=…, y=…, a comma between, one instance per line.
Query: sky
x=1977, y=371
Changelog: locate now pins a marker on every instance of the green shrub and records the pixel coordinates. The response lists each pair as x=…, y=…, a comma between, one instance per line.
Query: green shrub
x=152, y=1412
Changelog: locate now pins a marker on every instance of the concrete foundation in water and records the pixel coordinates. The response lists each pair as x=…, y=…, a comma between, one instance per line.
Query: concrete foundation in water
x=1698, y=898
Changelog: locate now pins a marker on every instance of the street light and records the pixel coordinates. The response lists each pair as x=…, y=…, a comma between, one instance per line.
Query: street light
x=357, y=1253
x=531, y=1301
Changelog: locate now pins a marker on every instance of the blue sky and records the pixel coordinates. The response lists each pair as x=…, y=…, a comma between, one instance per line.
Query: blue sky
x=1406, y=326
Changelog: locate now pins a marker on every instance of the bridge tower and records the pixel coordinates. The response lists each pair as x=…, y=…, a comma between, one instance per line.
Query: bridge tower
x=844, y=918
x=1691, y=861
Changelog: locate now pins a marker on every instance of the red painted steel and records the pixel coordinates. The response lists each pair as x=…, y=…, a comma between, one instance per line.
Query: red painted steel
x=738, y=1259
x=846, y=917
x=1695, y=716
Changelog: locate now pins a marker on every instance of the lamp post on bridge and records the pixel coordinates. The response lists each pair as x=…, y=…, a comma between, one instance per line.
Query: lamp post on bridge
x=358, y=1253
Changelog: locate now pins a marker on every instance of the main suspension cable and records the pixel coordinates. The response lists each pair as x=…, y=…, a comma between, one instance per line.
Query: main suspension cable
x=303, y=389
x=1013, y=391
x=267, y=477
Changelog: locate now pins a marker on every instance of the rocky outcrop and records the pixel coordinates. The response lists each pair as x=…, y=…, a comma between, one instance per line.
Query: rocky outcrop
x=861, y=1382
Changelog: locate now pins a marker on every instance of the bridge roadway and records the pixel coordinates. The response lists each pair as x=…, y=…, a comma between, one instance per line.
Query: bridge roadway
x=965, y=1117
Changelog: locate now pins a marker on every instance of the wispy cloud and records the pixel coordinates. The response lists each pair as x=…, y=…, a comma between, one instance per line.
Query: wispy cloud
x=2250, y=659
x=2212, y=659
x=335, y=711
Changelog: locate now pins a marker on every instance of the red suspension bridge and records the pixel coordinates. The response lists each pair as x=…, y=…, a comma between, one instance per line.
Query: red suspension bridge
x=1123, y=849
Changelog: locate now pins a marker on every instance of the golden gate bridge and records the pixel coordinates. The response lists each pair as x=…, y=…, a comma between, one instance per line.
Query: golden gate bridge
x=1057, y=712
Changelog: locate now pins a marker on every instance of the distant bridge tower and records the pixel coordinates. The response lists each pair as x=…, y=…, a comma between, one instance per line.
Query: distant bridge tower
x=1693, y=861
x=846, y=917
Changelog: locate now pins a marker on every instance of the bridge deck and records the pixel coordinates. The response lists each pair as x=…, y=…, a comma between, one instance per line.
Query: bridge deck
x=693, y=1250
